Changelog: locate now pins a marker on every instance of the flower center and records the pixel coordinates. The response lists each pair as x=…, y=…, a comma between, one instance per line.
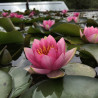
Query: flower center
x=47, y=26
x=44, y=50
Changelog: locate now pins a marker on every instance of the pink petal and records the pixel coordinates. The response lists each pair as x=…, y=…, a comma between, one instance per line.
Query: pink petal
x=51, y=41
x=59, y=62
x=30, y=56
x=38, y=57
x=52, y=53
x=41, y=25
x=45, y=22
x=69, y=18
x=47, y=62
x=61, y=46
x=75, y=19
x=56, y=74
x=35, y=45
x=93, y=38
x=69, y=55
x=40, y=71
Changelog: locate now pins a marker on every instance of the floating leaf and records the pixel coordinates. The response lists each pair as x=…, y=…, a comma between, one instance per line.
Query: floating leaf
x=5, y=84
x=16, y=21
x=66, y=87
x=79, y=69
x=21, y=81
x=74, y=40
x=5, y=57
x=7, y=24
x=89, y=54
x=11, y=37
x=91, y=22
x=66, y=29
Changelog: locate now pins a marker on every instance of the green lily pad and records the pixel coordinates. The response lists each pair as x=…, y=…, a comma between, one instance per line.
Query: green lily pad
x=66, y=87
x=21, y=81
x=89, y=54
x=6, y=69
x=16, y=21
x=79, y=69
x=11, y=37
x=74, y=40
x=5, y=84
x=66, y=29
x=91, y=22
x=5, y=57
x=7, y=24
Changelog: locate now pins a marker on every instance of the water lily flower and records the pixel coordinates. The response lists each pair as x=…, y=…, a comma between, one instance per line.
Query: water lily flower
x=31, y=14
x=12, y=15
x=70, y=18
x=19, y=16
x=64, y=11
x=90, y=34
x=76, y=14
x=47, y=24
x=47, y=56
x=5, y=14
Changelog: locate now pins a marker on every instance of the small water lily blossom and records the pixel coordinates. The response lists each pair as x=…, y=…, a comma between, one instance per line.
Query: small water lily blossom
x=5, y=14
x=64, y=12
x=47, y=24
x=31, y=14
x=70, y=18
x=90, y=34
x=12, y=15
x=20, y=16
x=76, y=14
x=47, y=56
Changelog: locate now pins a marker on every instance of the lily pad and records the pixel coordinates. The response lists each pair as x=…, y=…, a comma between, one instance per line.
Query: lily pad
x=66, y=29
x=21, y=81
x=66, y=87
x=89, y=54
x=74, y=40
x=16, y=21
x=91, y=22
x=79, y=69
x=7, y=24
x=11, y=37
x=5, y=84
x=5, y=57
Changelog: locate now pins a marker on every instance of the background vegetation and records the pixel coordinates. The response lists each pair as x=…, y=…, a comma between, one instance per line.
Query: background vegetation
x=72, y=4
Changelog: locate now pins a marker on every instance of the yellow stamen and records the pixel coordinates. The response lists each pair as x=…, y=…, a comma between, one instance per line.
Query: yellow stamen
x=44, y=50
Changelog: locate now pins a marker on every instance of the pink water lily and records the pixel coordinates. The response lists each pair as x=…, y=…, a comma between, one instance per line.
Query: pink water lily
x=90, y=34
x=76, y=14
x=5, y=14
x=64, y=11
x=31, y=14
x=47, y=24
x=47, y=56
x=70, y=18
x=12, y=15
x=19, y=16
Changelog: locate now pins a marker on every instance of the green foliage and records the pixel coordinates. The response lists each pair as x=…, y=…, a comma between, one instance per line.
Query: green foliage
x=66, y=87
